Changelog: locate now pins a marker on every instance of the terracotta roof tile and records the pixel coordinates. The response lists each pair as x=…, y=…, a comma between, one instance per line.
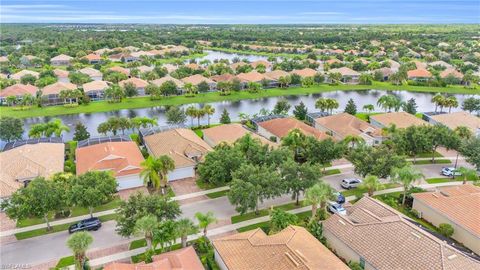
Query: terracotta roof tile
x=345, y=124
x=19, y=90
x=399, y=119
x=159, y=82
x=91, y=72
x=139, y=83
x=456, y=119
x=55, y=88
x=230, y=133
x=196, y=79
x=281, y=126
x=419, y=73
x=20, y=74
x=94, y=85
x=306, y=72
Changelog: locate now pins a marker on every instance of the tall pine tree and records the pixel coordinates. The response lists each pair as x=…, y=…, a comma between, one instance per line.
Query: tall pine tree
x=351, y=107
x=225, y=118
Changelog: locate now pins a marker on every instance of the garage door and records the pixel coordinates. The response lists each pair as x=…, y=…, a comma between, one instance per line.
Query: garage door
x=129, y=181
x=181, y=173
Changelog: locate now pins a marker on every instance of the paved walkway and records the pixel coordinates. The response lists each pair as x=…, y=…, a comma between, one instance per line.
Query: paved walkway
x=232, y=227
x=177, y=198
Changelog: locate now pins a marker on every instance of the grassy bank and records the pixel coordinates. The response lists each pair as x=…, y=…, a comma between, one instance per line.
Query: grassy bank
x=144, y=102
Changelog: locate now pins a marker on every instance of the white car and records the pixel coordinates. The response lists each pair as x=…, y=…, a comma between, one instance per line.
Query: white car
x=334, y=207
x=349, y=183
x=450, y=171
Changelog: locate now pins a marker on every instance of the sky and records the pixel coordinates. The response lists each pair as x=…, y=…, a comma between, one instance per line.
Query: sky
x=241, y=12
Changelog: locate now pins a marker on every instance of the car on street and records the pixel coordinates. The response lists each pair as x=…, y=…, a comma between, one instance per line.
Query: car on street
x=89, y=224
x=349, y=183
x=450, y=171
x=334, y=207
x=340, y=199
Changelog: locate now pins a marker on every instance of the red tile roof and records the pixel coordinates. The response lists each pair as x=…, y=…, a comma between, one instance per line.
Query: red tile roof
x=19, y=90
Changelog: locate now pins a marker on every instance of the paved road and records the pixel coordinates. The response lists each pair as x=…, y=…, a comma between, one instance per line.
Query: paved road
x=52, y=246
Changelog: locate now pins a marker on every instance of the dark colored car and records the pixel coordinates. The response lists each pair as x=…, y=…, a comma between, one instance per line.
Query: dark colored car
x=340, y=199
x=89, y=224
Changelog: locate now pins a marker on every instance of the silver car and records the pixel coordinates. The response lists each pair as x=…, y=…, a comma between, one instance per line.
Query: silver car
x=349, y=183
x=334, y=207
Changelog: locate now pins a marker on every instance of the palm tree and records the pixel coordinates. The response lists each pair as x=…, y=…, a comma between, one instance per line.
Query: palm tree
x=451, y=102
x=437, y=99
x=155, y=170
x=332, y=104
x=389, y=102
x=191, y=111
x=406, y=176
x=11, y=100
x=321, y=104
x=318, y=195
x=295, y=141
x=79, y=243
x=190, y=88
x=464, y=134
x=353, y=140
x=468, y=174
x=204, y=220
x=185, y=227
x=209, y=110
x=144, y=226
x=371, y=183
x=200, y=113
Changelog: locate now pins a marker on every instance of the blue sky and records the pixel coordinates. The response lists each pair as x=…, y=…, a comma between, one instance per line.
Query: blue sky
x=246, y=12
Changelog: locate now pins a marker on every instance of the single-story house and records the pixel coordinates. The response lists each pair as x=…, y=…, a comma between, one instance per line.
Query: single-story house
x=226, y=77
x=177, y=82
x=182, y=145
x=455, y=205
x=93, y=58
x=344, y=124
x=170, y=67
x=27, y=60
x=144, y=69
x=451, y=72
x=61, y=60
x=419, y=75
x=197, y=79
x=380, y=238
x=266, y=64
x=304, y=73
x=122, y=57
x=252, y=76
x=18, y=76
x=386, y=72
x=17, y=90
x=348, y=75
x=456, y=119
x=420, y=65
x=293, y=248
x=120, y=69
x=122, y=158
x=51, y=92
x=181, y=259
x=399, y=119
x=141, y=54
x=138, y=83
x=229, y=133
x=21, y=164
x=94, y=74
x=440, y=64
x=275, y=75
x=236, y=65
x=62, y=75
x=277, y=128
x=95, y=89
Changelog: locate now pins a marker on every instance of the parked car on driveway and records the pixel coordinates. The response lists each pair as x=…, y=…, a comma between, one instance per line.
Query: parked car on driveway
x=349, y=183
x=340, y=199
x=450, y=171
x=89, y=224
x=334, y=207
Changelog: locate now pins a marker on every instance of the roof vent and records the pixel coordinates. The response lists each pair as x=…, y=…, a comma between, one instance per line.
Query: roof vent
x=416, y=235
x=289, y=256
x=435, y=195
x=341, y=221
x=451, y=257
x=300, y=254
x=444, y=194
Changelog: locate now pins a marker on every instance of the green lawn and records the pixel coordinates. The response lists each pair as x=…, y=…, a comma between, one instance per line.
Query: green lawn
x=143, y=102
x=429, y=161
x=75, y=212
x=265, y=212
x=332, y=172
x=137, y=244
x=442, y=180
x=206, y=186
x=217, y=194
x=65, y=261
x=57, y=228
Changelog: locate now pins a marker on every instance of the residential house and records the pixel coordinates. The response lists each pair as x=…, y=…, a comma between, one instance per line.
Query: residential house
x=20, y=165
x=181, y=259
x=442, y=64
x=144, y=69
x=399, y=119
x=181, y=144
x=28, y=60
x=138, y=55
x=61, y=60
x=394, y=65
x=266, y=64
x=348, y=75
x=276, y=128
x=94, y=74
x=419, y=75
x=51, y=92
x=380, y=238
x=293, y=248
x=456, y=119
x=236, y=65
x=120, y=70
x=177, y=82
x=343, y=125
x=255, y=77
x=18, y=76
x=122, y=158
x=102, y=51
x=229, y=134
x=226, y=77
x=138, y=83
x=451, y=72
x=122, y=57
x=275, y=75
x=194, y=66
x=304, y=73
x=93, y=58
x=420, y=65
x=386, y=72
x=170, y=67
x=95, y=89
x=17, y=90
x=197, y=79
x=454, y=205
x=62, y=75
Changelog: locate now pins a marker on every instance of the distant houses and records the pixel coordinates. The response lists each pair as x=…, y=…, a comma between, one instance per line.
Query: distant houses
x=51, y=93
x=61, y=60
x=17, y=90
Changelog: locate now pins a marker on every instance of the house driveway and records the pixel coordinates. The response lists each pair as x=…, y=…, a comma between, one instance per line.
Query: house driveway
x=187, y=186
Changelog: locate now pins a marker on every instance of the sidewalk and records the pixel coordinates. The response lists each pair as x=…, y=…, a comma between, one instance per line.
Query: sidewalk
x=232, y=227
x=177, y=198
